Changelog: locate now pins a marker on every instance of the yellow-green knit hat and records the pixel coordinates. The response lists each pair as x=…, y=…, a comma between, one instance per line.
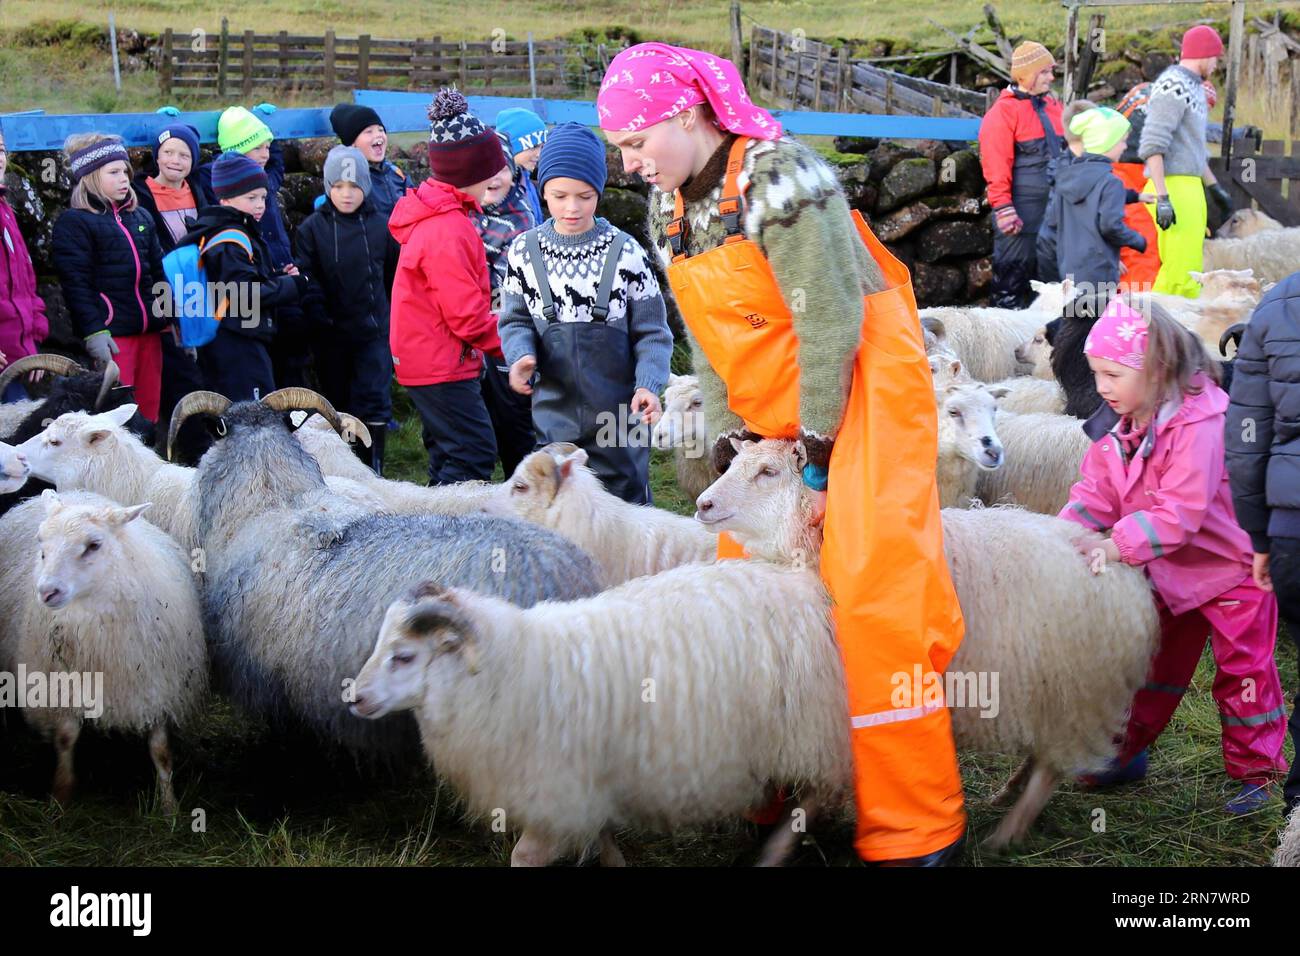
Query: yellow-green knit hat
x=238, y=131
x=1100, y=129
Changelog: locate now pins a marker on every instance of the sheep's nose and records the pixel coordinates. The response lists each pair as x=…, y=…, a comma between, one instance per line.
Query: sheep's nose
x=50, y=594
x=704, y=505
x=987, y=441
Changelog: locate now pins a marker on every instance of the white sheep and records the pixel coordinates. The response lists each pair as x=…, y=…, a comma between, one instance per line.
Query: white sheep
x=969, y=444
x=1036, y=352
x=1272, y=254
x=682, y=428
x=578, y=717
x=13, y=469
x=1247, y=222
x=111, y=595
x=83, y=452
x=1050, y=297
x=554, y=488
x=1019, y=395
x=1041, y=458
x=985, y=339
x=1288, y=847
x=337, y=460
x=1068, y=648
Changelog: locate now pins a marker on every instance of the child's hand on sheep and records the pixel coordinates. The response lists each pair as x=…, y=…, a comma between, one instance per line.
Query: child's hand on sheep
x=1097, y=550
x=1259, y=571
x=521, y=372
x=646, y=404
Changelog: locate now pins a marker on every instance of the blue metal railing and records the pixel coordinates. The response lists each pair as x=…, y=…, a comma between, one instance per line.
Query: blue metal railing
x=405, y=112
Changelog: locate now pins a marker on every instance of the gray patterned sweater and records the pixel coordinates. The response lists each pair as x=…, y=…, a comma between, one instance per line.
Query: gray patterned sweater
x=573, y=266
x=1175, y=122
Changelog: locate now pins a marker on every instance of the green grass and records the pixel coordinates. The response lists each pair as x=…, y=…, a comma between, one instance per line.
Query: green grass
x=271, y=801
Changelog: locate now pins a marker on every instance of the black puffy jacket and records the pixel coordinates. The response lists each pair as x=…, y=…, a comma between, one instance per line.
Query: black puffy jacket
x=260, y=286
x=1263, y=424
x=147, y=203
x=351, y=259
x=108, y=264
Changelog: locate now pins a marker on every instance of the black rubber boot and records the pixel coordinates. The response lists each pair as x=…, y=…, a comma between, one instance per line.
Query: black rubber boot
x=378, y=436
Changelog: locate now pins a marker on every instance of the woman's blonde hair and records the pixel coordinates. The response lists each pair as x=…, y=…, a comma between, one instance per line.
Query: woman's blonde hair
x=1073, y=109
x=1174, y=354
x=86, y=192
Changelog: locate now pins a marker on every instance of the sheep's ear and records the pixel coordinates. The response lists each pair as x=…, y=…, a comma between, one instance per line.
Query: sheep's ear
x=96, y=435
x=576, y=457
x=1038, y=285
x=121, y=415
x=736, y=443
x=1198, y=277
x=1067, y=285
x=53, y=504
x=120, y=516
x=800, y=453
x=673, y=379
x=999, y=391
x=443, y=616
x=935, y=326
x=541, y=464
x=955, y=367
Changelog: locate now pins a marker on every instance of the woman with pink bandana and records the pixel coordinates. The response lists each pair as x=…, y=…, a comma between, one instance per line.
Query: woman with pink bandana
x=1156, y=480
x=778, y=282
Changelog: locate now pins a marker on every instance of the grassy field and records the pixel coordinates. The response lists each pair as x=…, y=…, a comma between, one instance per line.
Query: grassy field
x=269, y=801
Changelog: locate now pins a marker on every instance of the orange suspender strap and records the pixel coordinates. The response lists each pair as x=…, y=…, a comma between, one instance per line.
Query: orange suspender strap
x=728, y=206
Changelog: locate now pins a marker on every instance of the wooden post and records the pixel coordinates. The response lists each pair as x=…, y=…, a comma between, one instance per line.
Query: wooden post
x=751, y=75
x=223, y=58
x=165, y=67
x=1236, y=30
x=1088, y=58
x=436, y=56
x=798, y=72
x=363, y=61
x=817, y=84
x=1295, y=98
x=952, y=70
x=112, y=43
x=845, y=81
x=464, y=68
x=329, y=62
x=776, y=45
x=1071, y=50
x=246, y=87
x=284, y=55
x=889, y=93
x=532, y=67
x=737, y=40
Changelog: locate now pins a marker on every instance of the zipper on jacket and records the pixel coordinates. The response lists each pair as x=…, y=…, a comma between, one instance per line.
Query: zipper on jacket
x=135, y=254
x=370, y=273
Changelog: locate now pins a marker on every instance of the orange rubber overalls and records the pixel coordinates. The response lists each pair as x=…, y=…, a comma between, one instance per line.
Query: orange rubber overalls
x=882, y=560
x=1143, y=267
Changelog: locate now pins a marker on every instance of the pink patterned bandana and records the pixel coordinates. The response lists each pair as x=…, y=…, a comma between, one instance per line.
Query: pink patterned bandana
x=1119, y=335
x=651, y=82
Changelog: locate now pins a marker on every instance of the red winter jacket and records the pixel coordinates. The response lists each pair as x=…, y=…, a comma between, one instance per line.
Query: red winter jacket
x=441, y=318
x=22, y=312
x=1014, y=145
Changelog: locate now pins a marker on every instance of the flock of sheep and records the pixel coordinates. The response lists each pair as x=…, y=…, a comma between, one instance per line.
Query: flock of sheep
x=505, y=629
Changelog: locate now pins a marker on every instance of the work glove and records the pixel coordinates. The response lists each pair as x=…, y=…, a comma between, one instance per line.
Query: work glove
x=817, y=446
x=266, y=109
x=1165, y=212
x=1255, y=133
x=1221, y=198
x=101, y=347
x=168, y=111
x=1008, y=220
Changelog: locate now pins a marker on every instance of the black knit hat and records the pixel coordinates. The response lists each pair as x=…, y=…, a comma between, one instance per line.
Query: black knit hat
x=349, y=119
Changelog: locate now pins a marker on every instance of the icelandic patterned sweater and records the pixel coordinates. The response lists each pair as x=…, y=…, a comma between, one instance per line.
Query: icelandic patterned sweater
x=1175, y=122
x=573, y=266
x=800, y=219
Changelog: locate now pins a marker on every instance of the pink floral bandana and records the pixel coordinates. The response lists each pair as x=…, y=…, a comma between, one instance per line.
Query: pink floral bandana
x=651, y=82
x=1119, y=335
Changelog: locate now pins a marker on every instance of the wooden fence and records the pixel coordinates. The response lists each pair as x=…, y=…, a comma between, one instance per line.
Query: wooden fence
x=227, y=63
x=797, y=73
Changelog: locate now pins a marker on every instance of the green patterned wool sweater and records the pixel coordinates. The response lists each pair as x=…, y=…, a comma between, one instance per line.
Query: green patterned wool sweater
x=800, y=219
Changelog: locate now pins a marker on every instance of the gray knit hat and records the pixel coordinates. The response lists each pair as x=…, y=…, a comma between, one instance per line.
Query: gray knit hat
x=347, y=164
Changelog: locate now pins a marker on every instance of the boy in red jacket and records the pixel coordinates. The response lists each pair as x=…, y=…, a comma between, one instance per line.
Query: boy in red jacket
x=441, y=319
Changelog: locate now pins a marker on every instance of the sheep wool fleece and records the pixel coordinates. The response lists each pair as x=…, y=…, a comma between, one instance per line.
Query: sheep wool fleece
x=894, y=606
x=796, y=214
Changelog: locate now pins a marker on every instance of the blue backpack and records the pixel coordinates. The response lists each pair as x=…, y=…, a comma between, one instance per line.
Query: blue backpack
x=197, y=317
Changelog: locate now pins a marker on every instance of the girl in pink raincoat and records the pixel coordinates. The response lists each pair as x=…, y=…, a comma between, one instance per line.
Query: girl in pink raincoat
x=1154, y=492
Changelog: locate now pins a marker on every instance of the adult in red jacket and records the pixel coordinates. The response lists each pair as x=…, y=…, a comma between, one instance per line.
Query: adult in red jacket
x=441, y=318
x=1020, y=142
x=22, y=312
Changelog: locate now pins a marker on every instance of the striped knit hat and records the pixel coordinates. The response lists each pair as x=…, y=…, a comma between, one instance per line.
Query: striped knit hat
x=462, y=151
x=573, y=151
x=1027, y=60
x=100, y=153
x=234, y=174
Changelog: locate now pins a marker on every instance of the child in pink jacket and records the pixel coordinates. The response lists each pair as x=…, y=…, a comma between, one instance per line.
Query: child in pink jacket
x=1155, y=479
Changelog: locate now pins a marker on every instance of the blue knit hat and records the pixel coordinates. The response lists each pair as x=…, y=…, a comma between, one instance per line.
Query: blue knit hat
x=185, y=133
x=524, y=128
x=234, y=174
x=575, y=152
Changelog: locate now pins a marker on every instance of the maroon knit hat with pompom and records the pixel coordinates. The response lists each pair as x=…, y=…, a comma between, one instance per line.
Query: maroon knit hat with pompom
x=462, y=151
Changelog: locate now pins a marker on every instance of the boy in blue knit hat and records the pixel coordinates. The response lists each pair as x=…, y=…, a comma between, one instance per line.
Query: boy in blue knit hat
x=581, y=307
